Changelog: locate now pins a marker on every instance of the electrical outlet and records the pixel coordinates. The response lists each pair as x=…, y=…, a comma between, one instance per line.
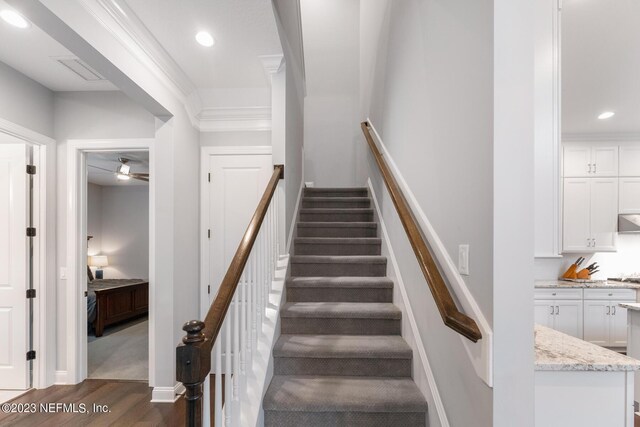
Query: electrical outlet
x=309, y=184
x=463, y=259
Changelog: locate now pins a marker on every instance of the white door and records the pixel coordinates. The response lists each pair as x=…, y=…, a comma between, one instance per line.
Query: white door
x=576, y=160
x=596, y=321
x=629, y=160
x=543, y=312
x=629, y=195
x=576, y=214
x=14, y=330
x=618, y=328
x=568, y=317
x=605, y=160
x=604, y=213
x=237, y=184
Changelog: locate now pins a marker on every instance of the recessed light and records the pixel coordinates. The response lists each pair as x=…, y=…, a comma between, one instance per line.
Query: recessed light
x=606, y=115
x=14, y=18
x=205, y=39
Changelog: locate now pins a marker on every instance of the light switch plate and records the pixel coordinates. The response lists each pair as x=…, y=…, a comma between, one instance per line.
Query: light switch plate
x=63, y=273
x=463, y=259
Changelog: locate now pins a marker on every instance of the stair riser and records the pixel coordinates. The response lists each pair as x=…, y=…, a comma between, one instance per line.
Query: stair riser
x=339, y=294
x=338, y=202
x=341, y=269
x=337, y=232
x=370, y=367
x=335, y=326
x=333, y=193
x=351, y=419
x=337, y=249
x=355, y=216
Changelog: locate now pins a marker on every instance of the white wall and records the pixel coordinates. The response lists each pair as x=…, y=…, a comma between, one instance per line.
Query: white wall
x=25, y=102
x=331, y=40
x=87, y=115
x=118, y=218
x=244, y=138
x=416, y=91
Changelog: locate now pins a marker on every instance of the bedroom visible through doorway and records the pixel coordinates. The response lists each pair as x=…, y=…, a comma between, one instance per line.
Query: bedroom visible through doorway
x=117, y=218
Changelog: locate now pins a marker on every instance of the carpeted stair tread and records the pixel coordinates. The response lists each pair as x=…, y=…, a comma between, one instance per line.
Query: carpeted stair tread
x=338, y=259
x=336, y=202
x=339, y=282
x=342, y=346
x=301, y=393
x=337, y=224
x=341, y=310
x=346, y=211
x=339, y=240
x=336, y=192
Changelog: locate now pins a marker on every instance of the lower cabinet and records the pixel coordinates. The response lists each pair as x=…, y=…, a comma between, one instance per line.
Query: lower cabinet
x=593, y=315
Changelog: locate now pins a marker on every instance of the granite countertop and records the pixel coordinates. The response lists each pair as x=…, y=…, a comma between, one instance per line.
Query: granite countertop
x=556, y=351
x=633, y=306
x=608, y=284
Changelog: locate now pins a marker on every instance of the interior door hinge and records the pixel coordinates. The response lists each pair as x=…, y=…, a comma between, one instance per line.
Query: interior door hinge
x=209, y=289
x=31, y=293
x=31, y=355
x=209, y=233
x=31, y=232
x=209, y=177
x=31, y=169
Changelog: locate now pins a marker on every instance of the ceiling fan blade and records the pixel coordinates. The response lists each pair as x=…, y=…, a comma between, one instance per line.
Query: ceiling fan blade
x=140, y=176
x=102, y=169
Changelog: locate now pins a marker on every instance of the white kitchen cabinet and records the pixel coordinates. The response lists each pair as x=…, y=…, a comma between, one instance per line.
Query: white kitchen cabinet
x=629, y=195
x=590, y=160
x=605, y=322
x=590, y=214
x=629, y=160
x=560, y=309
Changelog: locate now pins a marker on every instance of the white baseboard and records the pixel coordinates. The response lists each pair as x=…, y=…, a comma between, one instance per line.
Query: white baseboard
x=294, y=219
x=480, y=353
x=60, y=377
x=413, y=335
x=167, y=394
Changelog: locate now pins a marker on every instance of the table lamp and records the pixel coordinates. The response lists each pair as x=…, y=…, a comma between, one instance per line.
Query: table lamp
x=99, y=261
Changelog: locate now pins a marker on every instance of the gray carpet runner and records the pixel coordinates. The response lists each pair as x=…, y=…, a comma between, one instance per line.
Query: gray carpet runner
x=340, y=359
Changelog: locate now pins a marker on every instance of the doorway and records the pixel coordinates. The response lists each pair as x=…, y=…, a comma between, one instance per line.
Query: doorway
x=117, y=218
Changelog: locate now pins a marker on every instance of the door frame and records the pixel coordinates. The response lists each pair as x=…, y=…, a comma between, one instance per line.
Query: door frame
x=205, y=153
x=76, y=321
x=43, y=330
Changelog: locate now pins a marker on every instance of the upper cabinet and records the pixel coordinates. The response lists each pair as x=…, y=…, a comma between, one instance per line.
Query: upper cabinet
x=630, y=160
x=590, y=160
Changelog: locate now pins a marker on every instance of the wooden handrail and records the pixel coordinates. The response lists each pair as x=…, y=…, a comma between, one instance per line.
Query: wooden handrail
x=449, y=312
x=193, y=354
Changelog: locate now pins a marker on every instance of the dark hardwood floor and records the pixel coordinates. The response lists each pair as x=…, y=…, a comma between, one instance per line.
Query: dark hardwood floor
x=128, y=402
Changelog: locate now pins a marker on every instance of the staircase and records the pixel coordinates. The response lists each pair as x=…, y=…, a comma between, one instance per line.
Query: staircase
x=340, y=360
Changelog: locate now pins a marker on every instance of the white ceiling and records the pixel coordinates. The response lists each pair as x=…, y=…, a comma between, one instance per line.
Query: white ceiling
x=30, y=51
x=600, y=66
x=242, y=29
x=98, y=162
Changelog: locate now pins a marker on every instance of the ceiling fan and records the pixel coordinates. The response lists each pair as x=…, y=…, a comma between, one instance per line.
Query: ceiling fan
x=123, y=171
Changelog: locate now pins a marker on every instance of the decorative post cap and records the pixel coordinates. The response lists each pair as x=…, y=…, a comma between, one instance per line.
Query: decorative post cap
x=193, y=328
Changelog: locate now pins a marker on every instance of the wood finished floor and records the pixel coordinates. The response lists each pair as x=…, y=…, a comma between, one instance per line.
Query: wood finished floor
x=128, y=402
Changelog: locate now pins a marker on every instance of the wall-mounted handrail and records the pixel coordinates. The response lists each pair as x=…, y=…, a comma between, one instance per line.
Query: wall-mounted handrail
x=451, y=315
x=193, y=354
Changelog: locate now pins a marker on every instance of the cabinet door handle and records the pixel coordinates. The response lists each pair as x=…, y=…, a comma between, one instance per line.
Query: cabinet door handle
x=589, y=167
x=557, y=309
x=608, y=310
x=551, y=309
x=614, y=310
x=595, y=165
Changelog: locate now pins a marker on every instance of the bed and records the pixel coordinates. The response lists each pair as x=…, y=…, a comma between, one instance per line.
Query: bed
x=112, y=301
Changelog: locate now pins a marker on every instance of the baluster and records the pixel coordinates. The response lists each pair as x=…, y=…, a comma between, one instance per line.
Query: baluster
x=236, y=345
x=228, y=392
x=259, y=286
x=253, y=297
x=243, y=323
x=218, y=385
x=265, y=273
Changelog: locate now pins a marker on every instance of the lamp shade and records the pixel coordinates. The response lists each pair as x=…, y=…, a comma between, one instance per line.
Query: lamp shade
x=98, y=261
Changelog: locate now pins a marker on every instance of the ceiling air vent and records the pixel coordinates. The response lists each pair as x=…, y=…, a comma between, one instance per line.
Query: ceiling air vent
x=80, y=68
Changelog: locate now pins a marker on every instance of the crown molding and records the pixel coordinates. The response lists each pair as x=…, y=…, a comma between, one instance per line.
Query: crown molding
x=272, y=63
x=603, y=136
x=234, y=119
